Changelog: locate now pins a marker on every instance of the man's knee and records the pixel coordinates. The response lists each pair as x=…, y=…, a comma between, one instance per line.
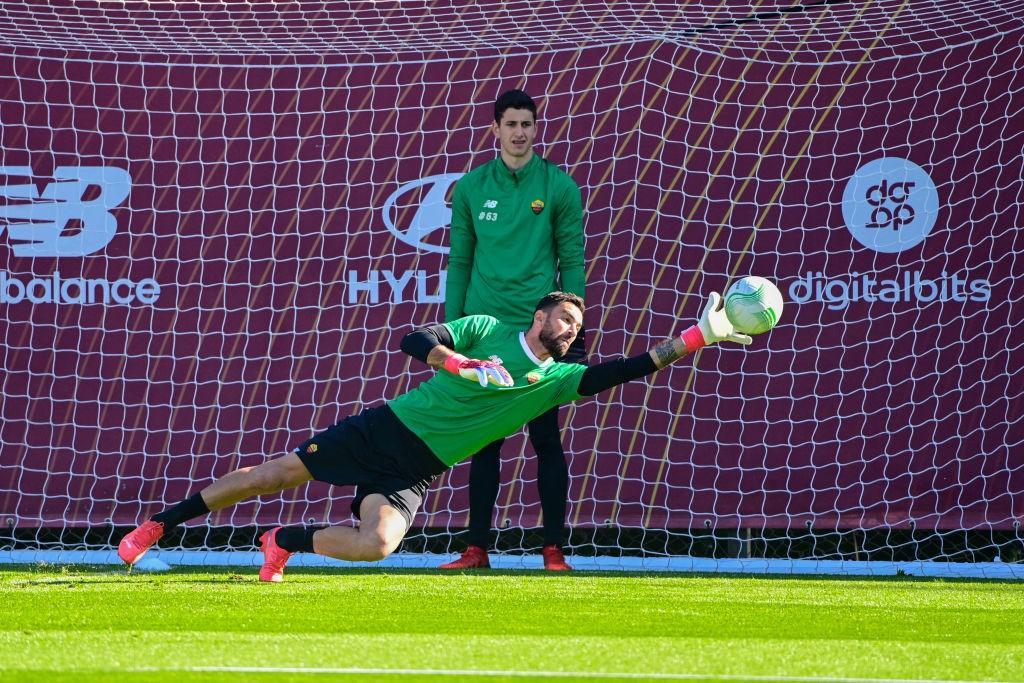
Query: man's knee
x=377, y=545
x=272, y=476
x=382, y=529
x=260, y=480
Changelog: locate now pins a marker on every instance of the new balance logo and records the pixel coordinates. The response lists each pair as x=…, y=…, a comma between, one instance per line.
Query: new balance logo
x=70, y=217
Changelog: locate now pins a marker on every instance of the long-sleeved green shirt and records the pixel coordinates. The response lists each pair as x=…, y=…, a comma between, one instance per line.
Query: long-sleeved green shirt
x=515, y=237
x=457, y=417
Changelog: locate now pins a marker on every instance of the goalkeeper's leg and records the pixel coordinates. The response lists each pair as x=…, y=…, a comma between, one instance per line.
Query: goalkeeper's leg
x=484, y=482
x=484, y=471
x=270, y=477
x=552, y=475
x=381, y=528
x=553, y=486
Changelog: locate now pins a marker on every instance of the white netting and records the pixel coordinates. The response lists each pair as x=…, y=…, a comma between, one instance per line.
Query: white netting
x=260, y=271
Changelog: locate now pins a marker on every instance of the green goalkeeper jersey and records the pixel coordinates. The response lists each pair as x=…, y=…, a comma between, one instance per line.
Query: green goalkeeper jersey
x=457, y=417
x=512, y=236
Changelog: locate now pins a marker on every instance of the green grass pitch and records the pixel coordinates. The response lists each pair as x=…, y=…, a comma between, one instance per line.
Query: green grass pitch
x=101, y=624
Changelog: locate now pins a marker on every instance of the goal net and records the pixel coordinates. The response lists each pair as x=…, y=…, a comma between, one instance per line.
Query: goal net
x=218, y=219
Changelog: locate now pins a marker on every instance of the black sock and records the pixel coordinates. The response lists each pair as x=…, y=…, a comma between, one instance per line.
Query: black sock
x=190, y=508
x=297, y=539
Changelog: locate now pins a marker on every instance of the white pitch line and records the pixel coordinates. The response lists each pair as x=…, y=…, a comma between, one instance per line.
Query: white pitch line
x=512, y=673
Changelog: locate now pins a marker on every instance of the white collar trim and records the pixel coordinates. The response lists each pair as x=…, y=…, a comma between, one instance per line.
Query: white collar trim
x=530, y=354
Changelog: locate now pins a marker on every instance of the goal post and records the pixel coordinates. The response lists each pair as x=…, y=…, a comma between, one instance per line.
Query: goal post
x=217, y=220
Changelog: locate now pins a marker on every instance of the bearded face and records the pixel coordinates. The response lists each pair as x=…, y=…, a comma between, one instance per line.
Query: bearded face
x=556, y=335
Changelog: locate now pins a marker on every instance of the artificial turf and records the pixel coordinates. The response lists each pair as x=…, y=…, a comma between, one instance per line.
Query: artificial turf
x=87, y=624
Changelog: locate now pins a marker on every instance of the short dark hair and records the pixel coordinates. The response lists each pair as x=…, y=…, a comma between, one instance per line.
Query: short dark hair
x=554, y=298
x=513, y=99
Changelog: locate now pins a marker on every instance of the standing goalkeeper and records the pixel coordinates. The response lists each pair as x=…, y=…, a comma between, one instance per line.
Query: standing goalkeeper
x=517, y=234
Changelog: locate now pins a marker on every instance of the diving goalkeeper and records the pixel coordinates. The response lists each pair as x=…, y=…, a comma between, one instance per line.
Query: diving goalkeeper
x=392, y=452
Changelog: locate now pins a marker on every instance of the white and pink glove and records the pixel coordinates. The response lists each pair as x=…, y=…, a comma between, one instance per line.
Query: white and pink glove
x=483, y=371
x=712, y=327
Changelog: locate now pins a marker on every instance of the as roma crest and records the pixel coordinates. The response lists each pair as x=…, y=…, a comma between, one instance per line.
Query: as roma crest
x=537, y=205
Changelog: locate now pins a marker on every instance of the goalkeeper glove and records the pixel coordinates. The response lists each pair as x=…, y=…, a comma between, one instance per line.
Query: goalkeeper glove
x=713, y=326
x=483, y=371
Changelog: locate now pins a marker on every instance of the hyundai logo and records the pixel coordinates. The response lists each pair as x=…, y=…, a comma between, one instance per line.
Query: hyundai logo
x=432, y=212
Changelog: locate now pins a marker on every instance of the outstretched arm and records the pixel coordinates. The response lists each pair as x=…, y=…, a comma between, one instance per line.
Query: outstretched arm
x=713, y=327
x=433, y=345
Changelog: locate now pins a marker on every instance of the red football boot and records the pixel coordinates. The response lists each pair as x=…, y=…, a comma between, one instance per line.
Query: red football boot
x=554, y=560
x=474, y=557
x=274, y=557
x=133, y=546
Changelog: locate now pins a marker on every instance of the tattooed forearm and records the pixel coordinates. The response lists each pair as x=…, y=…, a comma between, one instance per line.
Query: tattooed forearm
x=437, y=356
x=667, y=352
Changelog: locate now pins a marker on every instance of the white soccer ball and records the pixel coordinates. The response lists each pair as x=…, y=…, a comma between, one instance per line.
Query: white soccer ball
x=753, y=305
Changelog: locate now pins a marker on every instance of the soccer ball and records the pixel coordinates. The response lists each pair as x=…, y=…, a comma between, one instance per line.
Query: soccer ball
x=753, y=305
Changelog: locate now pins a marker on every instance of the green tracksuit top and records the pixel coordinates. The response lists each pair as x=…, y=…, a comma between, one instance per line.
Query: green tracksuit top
x=512, y=235
x=456, y=417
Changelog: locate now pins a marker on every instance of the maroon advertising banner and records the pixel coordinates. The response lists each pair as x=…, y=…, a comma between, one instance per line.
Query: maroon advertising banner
x=206, y=256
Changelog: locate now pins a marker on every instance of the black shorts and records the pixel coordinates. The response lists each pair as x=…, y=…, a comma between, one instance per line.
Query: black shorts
x=375, y=452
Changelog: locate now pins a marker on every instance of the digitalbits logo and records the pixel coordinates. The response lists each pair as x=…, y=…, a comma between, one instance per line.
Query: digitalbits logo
x=890, y=205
